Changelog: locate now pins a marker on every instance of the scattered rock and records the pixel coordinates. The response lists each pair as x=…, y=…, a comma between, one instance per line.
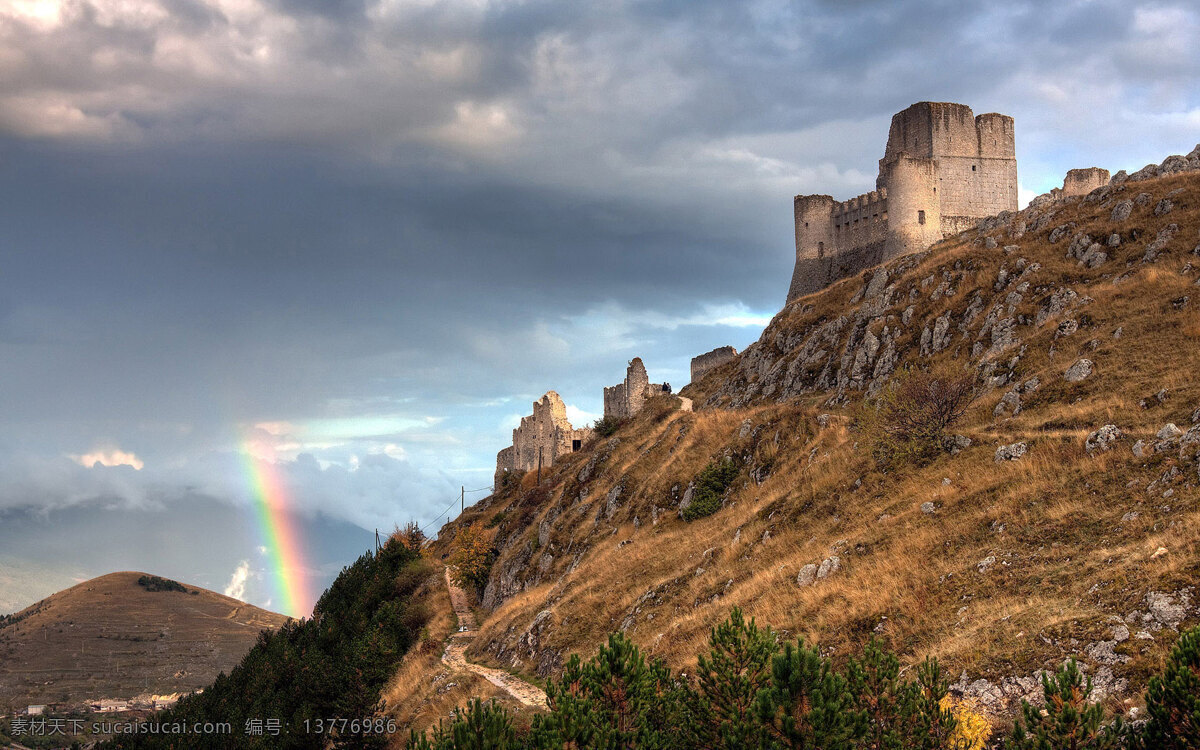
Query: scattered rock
x=987, y=562
x=807, y=575
x=957, y=444
x=1159, y=244
x=1122, y=210
x=1103, y=439
x=1009, y=403
x=829, y=566
x=686, y=502
x=1081, y=370
x=1169, y=432
x=1164, y=207
x=1059, y=232
x=928, y=508
x=1011, y=452
x=1166, y=609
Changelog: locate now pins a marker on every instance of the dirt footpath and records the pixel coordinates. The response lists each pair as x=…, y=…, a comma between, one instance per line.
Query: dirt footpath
x=455, y=654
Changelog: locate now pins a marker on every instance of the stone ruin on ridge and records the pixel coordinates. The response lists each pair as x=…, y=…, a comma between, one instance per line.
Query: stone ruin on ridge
x=627, y=398
x=543, y=436
x=703, y=363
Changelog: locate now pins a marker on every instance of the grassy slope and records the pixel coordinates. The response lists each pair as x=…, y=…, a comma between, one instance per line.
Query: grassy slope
x=1066, y=561
x=111, y=638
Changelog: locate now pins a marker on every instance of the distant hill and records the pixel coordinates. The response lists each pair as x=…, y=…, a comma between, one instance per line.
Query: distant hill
x=114, y=637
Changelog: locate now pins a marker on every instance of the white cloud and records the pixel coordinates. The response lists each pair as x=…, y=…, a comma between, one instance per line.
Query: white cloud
x=579, y=417
x=237, y=582
x=109, y=457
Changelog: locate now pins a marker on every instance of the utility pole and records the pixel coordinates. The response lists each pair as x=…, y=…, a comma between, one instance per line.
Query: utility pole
x=539, y=476
x=462, y=499
x=377, y=541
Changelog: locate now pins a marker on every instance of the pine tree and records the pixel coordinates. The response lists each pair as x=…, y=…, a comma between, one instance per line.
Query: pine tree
x=807, y=705
x=737, y=667
x=1069, y=721
x=616, y=700
x=481, y=726
x=874, y=682
x=1173, y=699
x=930, y=724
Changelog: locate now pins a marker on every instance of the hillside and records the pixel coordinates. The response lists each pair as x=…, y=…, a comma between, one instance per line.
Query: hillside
x=113, y=638
x=1070, y=315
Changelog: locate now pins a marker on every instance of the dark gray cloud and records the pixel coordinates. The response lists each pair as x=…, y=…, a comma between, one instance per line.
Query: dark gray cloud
x=363, y=236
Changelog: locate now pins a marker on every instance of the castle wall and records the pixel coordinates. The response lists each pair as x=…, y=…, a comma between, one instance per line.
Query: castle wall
x=814, y=274
x=1084, y=181
x=627, y=398
x=860, y=221
x=703, y=363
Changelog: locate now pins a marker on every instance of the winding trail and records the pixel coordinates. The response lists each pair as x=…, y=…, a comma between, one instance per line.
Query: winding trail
x=687, y=403
x=455, y=654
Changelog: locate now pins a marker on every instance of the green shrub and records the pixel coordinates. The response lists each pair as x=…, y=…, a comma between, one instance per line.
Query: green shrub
x=606, y=426
x=908, y=422
x=737, y=668
x=481, y=726
x=710, y=487
x=154, y=583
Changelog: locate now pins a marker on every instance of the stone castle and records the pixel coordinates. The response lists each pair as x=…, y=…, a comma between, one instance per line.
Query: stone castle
x=943, y=169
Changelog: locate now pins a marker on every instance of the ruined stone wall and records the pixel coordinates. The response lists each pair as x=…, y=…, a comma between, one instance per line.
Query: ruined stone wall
x=504, y=464
x=546, y=434
x=627, y=398
x=703, y=363
x=1084, y=181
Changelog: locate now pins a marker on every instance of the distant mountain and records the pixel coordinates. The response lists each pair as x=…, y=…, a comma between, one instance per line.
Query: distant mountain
x=121, y=635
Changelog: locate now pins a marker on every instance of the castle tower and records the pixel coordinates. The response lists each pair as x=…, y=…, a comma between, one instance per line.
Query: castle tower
x=943, y=169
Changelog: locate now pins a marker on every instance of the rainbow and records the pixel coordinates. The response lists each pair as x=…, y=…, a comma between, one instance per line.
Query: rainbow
x=279, y=535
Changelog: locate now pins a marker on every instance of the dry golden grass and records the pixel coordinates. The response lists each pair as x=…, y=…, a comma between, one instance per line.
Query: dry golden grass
x=1065, y=560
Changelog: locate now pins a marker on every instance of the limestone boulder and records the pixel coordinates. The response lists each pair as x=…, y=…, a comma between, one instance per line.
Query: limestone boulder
x=1081, y=370
x=1011, y=452
x=1103, y=439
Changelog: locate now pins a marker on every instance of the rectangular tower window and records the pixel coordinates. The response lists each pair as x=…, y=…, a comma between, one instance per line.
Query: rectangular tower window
x=920, y=217
x=820, y=249
x=576, y=445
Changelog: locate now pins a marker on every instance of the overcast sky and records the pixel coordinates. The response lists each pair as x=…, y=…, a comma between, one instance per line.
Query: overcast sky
x=360, y=237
